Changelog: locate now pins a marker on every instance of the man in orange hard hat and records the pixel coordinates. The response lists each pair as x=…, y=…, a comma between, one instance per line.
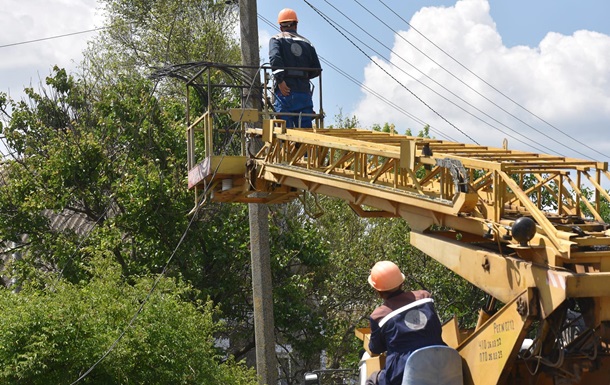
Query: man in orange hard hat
x=405, y=322
x=294, y=61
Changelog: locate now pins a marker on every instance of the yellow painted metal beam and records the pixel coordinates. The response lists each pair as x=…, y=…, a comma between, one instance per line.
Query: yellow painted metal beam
x=490, y=350
x=502, y=277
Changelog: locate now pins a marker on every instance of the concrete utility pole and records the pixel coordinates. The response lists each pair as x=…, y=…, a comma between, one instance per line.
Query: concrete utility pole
x=262, y=293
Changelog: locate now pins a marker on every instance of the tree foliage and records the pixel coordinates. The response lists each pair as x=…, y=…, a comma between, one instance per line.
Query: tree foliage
x=96, y=201
x=342, y=121
x=387, y=128
x=55, y=336
x=104, y=160
x=604, y=206
x=144, y=34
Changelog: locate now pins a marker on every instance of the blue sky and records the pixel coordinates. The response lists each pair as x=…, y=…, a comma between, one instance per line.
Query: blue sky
x=527, y=49
x=550, y=56
x=519, y=22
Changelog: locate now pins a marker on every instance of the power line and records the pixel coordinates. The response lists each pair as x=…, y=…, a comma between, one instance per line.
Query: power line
x=385, y=100
x=140, y=308
x=52, y=37
x=389, y=74
x=371, y=91
x=484, y=81
x=526, y=142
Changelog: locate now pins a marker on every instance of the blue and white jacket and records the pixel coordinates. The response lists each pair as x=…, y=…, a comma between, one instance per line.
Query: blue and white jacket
x=405, y=322
x=289, y=49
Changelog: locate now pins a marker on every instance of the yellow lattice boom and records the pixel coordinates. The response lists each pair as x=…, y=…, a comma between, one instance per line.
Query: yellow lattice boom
x=465, y=205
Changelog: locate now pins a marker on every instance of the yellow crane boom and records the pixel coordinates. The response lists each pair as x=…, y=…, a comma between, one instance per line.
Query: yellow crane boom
x=519, y=225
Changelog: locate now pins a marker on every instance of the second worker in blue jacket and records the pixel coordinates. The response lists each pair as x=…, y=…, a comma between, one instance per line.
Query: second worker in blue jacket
x=404, y=323
x=288, y=53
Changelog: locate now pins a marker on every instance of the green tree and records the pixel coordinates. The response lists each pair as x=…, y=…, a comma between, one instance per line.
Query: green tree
x=54, y=336
x=387, y=128
x=142, y=35
x=115, y=163
x=115, y=166
x=423, y=133
x=604, y=205
x=342, y=121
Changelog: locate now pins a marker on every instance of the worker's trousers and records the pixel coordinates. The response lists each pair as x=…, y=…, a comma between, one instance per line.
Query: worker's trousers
x=296, y=102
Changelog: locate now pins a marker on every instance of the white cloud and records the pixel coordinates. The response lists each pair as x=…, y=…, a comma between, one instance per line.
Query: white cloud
x=565, y=81
x=22, y=21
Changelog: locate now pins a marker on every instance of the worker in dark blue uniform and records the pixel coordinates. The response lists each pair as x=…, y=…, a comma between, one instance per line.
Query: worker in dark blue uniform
x=405, y=322
x=292, y=89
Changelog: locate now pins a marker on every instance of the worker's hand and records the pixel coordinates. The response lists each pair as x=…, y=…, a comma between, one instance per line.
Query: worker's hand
x=284, y=89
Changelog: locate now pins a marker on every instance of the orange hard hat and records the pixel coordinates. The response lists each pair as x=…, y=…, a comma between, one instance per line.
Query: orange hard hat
x=287, y=15
x=385, y=276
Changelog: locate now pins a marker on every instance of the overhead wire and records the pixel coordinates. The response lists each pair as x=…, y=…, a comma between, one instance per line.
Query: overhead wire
x=386, y=100
x=370, y=90
x=526, y=140
x=39, y=40
x=140, y=308
x=483, y=80
x=52, y=37
x=435, y=45
x=321, y=14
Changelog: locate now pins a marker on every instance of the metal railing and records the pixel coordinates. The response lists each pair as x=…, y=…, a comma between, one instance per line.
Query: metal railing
x=217, y=98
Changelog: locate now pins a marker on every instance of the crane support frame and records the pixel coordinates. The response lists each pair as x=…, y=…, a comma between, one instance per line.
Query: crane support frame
x=463, y=203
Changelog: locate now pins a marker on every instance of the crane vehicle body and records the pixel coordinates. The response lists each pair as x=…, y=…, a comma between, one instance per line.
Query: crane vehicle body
x=478, y=210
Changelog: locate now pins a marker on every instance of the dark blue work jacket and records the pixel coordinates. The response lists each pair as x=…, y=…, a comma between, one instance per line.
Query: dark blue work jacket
x=289, y=49
x=400, y=333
